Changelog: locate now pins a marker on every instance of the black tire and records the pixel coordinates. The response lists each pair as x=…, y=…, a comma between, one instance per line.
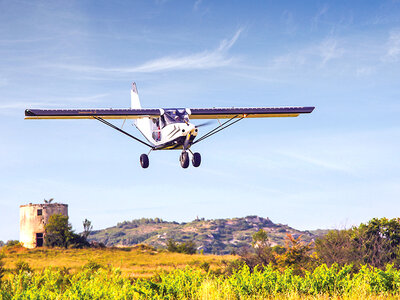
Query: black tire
x=196, y=159
x=184, y=159
x=144, y=161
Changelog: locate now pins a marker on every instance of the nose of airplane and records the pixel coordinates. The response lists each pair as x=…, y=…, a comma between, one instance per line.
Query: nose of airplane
x=188, y=128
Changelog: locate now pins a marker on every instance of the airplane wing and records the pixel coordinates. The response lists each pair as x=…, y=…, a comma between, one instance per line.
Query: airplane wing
x=91, y=113
x=248, y=112
x=195, y=113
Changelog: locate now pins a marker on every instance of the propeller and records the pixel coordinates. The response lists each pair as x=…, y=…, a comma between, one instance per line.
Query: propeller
x=187, y=140
x=204, y=124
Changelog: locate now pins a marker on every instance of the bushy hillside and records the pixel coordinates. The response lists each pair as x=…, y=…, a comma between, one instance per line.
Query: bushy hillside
x=220, y=236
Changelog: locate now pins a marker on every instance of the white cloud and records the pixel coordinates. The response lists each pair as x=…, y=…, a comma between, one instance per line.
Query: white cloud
x=364, y=71
x=197, y=4
x=288, y=20
x=322, y=163
x=19, y=105
x=201, y=60
x=225, y=45
x=329, y=50
x=319, y=53
x=289, y=60
x=393, y=47
x=322, y=11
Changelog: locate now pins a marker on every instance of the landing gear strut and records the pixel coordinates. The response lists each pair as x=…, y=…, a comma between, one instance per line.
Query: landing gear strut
x=184, y=159
x=144, y=161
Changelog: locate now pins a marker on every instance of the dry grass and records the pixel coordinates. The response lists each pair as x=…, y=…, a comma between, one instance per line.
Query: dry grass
x=135, y=261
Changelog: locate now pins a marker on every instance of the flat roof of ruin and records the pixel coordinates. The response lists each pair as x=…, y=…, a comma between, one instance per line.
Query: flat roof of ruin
x=44, y=204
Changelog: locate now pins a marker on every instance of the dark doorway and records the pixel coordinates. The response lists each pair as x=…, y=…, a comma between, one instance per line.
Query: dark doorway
x=39, y=239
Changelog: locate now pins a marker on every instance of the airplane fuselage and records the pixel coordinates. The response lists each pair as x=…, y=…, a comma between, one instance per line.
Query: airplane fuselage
x=173, y=136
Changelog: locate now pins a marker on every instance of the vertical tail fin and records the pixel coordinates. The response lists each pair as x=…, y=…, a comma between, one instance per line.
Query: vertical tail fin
x=135, y=102
x=144, y=123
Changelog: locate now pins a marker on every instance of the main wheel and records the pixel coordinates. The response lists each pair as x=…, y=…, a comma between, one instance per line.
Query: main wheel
x=196, y=159
x=144, y=161
x=184, y=159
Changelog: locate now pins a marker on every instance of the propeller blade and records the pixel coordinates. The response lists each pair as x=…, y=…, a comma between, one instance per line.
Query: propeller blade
x=204, y=124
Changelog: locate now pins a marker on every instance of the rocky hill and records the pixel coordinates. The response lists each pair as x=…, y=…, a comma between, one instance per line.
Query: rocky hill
x=220, y=236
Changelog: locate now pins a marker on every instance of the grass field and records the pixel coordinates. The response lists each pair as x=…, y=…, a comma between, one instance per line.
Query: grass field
x=141, y=261
x=193, y=283
x=145, y=273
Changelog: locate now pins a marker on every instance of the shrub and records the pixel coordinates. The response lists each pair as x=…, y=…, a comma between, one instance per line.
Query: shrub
x=22, y=266
x=59, y=233
x=297, y=255
x=375, y=243
x=187, y=248
x=2, y=269
x=92, y=266
x=11, y=243
x=205, y=266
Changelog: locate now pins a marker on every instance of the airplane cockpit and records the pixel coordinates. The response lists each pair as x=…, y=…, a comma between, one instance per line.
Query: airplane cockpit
x=170, y=116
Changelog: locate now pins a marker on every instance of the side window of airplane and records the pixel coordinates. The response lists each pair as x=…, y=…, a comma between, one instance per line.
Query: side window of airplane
x=156, y=129
x=155, y=124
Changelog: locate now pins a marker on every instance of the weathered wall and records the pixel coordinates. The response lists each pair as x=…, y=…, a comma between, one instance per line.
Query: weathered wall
x=31, y=223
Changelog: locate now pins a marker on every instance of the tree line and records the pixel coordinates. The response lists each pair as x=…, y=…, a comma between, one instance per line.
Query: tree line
x=376, y=243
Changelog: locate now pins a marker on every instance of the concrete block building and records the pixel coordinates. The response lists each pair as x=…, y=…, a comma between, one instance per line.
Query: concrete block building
x=33, y=218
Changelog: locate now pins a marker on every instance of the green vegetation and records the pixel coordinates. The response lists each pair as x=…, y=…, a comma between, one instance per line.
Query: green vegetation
x=376, y=243
x=358, y=263
x=11, y=243
x=221, y=236
x=59, y=233
x=87, y=228
x=2, y=270
x=22, y=266
x=108, y=283
x=187, y=248
x=296, y=254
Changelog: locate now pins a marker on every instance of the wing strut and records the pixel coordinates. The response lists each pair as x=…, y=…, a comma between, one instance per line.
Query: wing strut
x=124, y=132
x=224, y=125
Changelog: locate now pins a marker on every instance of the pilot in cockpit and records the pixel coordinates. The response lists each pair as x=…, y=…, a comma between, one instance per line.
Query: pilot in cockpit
x=156, y=129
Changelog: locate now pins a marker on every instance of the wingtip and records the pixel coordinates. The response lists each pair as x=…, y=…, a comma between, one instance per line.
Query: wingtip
x=28, y=113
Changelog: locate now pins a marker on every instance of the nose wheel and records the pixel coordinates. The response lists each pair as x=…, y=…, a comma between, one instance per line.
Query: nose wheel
x=144, y=161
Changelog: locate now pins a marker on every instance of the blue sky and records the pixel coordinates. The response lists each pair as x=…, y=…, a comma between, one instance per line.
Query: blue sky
x=334, y=168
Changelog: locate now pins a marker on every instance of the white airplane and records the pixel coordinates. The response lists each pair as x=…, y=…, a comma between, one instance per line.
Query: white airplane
x=168, y=128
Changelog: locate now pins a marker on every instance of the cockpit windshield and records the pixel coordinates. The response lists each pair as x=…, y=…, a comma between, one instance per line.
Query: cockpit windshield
x=172, y=116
